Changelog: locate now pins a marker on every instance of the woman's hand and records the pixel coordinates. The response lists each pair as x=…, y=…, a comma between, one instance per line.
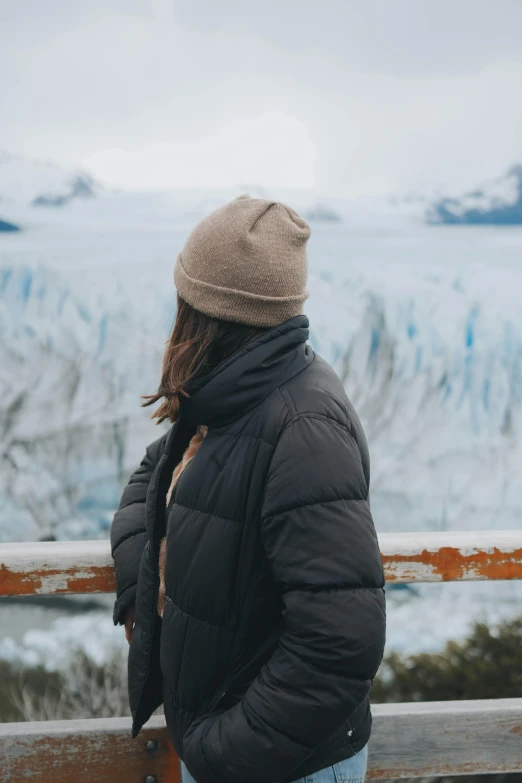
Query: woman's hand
x=130, y=619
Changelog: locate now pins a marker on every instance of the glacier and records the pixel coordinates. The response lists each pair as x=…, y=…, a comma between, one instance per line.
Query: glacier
x=422, y=323
x=68, y=413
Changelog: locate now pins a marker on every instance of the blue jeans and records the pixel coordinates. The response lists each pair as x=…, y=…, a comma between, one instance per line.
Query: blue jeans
x=352, y=770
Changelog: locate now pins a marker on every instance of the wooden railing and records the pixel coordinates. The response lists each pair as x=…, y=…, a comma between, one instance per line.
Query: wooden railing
x=409, y=740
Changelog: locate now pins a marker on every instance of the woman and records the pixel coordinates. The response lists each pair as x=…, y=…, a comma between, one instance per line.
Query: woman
x=245, y=538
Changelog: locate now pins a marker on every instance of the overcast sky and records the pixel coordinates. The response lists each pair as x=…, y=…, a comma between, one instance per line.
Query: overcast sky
x=347, y=96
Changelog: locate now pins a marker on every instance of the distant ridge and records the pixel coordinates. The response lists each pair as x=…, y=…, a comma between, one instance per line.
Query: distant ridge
x=82, y=186
x=498, y=202
x=6, y=227
x=322, y=214
x=26, y=182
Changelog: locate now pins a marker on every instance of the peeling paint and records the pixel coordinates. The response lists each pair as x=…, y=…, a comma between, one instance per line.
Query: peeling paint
x=52, y=581
x=38, y=755
x=453, y=564
x=87, y=567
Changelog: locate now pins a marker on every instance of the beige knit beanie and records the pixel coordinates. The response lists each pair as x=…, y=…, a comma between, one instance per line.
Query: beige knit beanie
x=246, y=262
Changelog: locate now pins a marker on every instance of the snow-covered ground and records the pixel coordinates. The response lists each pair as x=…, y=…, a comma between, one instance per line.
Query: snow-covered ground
x=422, y=323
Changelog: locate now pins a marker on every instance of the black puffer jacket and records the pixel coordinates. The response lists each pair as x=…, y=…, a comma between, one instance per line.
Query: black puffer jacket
x=274, y=620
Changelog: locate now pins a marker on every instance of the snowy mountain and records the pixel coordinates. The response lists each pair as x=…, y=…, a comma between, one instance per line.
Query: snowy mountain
x=24, y=182
x=5, y=226
x=79, y=186
x=498, y=202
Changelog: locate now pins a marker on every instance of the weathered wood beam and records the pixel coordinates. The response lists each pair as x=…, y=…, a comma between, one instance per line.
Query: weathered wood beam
x=435, y=739
x=428, y=739
x=86, y=566
x=86, y=751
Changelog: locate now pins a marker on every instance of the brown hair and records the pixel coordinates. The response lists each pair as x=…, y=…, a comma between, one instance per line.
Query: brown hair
x=197, y=345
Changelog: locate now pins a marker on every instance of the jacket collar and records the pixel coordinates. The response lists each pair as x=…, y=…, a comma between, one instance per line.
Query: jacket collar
x=246, y=378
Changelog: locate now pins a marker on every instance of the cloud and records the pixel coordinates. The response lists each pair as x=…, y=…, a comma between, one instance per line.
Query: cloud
x=153, y=93
x=273, y=151
x=398, y=37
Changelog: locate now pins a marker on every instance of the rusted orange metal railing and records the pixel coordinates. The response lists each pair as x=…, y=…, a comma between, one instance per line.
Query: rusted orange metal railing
x=86, y=566
x=409, y=740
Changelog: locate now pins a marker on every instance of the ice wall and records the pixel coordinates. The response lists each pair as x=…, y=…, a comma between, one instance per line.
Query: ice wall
x=71, y=375
x=422, y=325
